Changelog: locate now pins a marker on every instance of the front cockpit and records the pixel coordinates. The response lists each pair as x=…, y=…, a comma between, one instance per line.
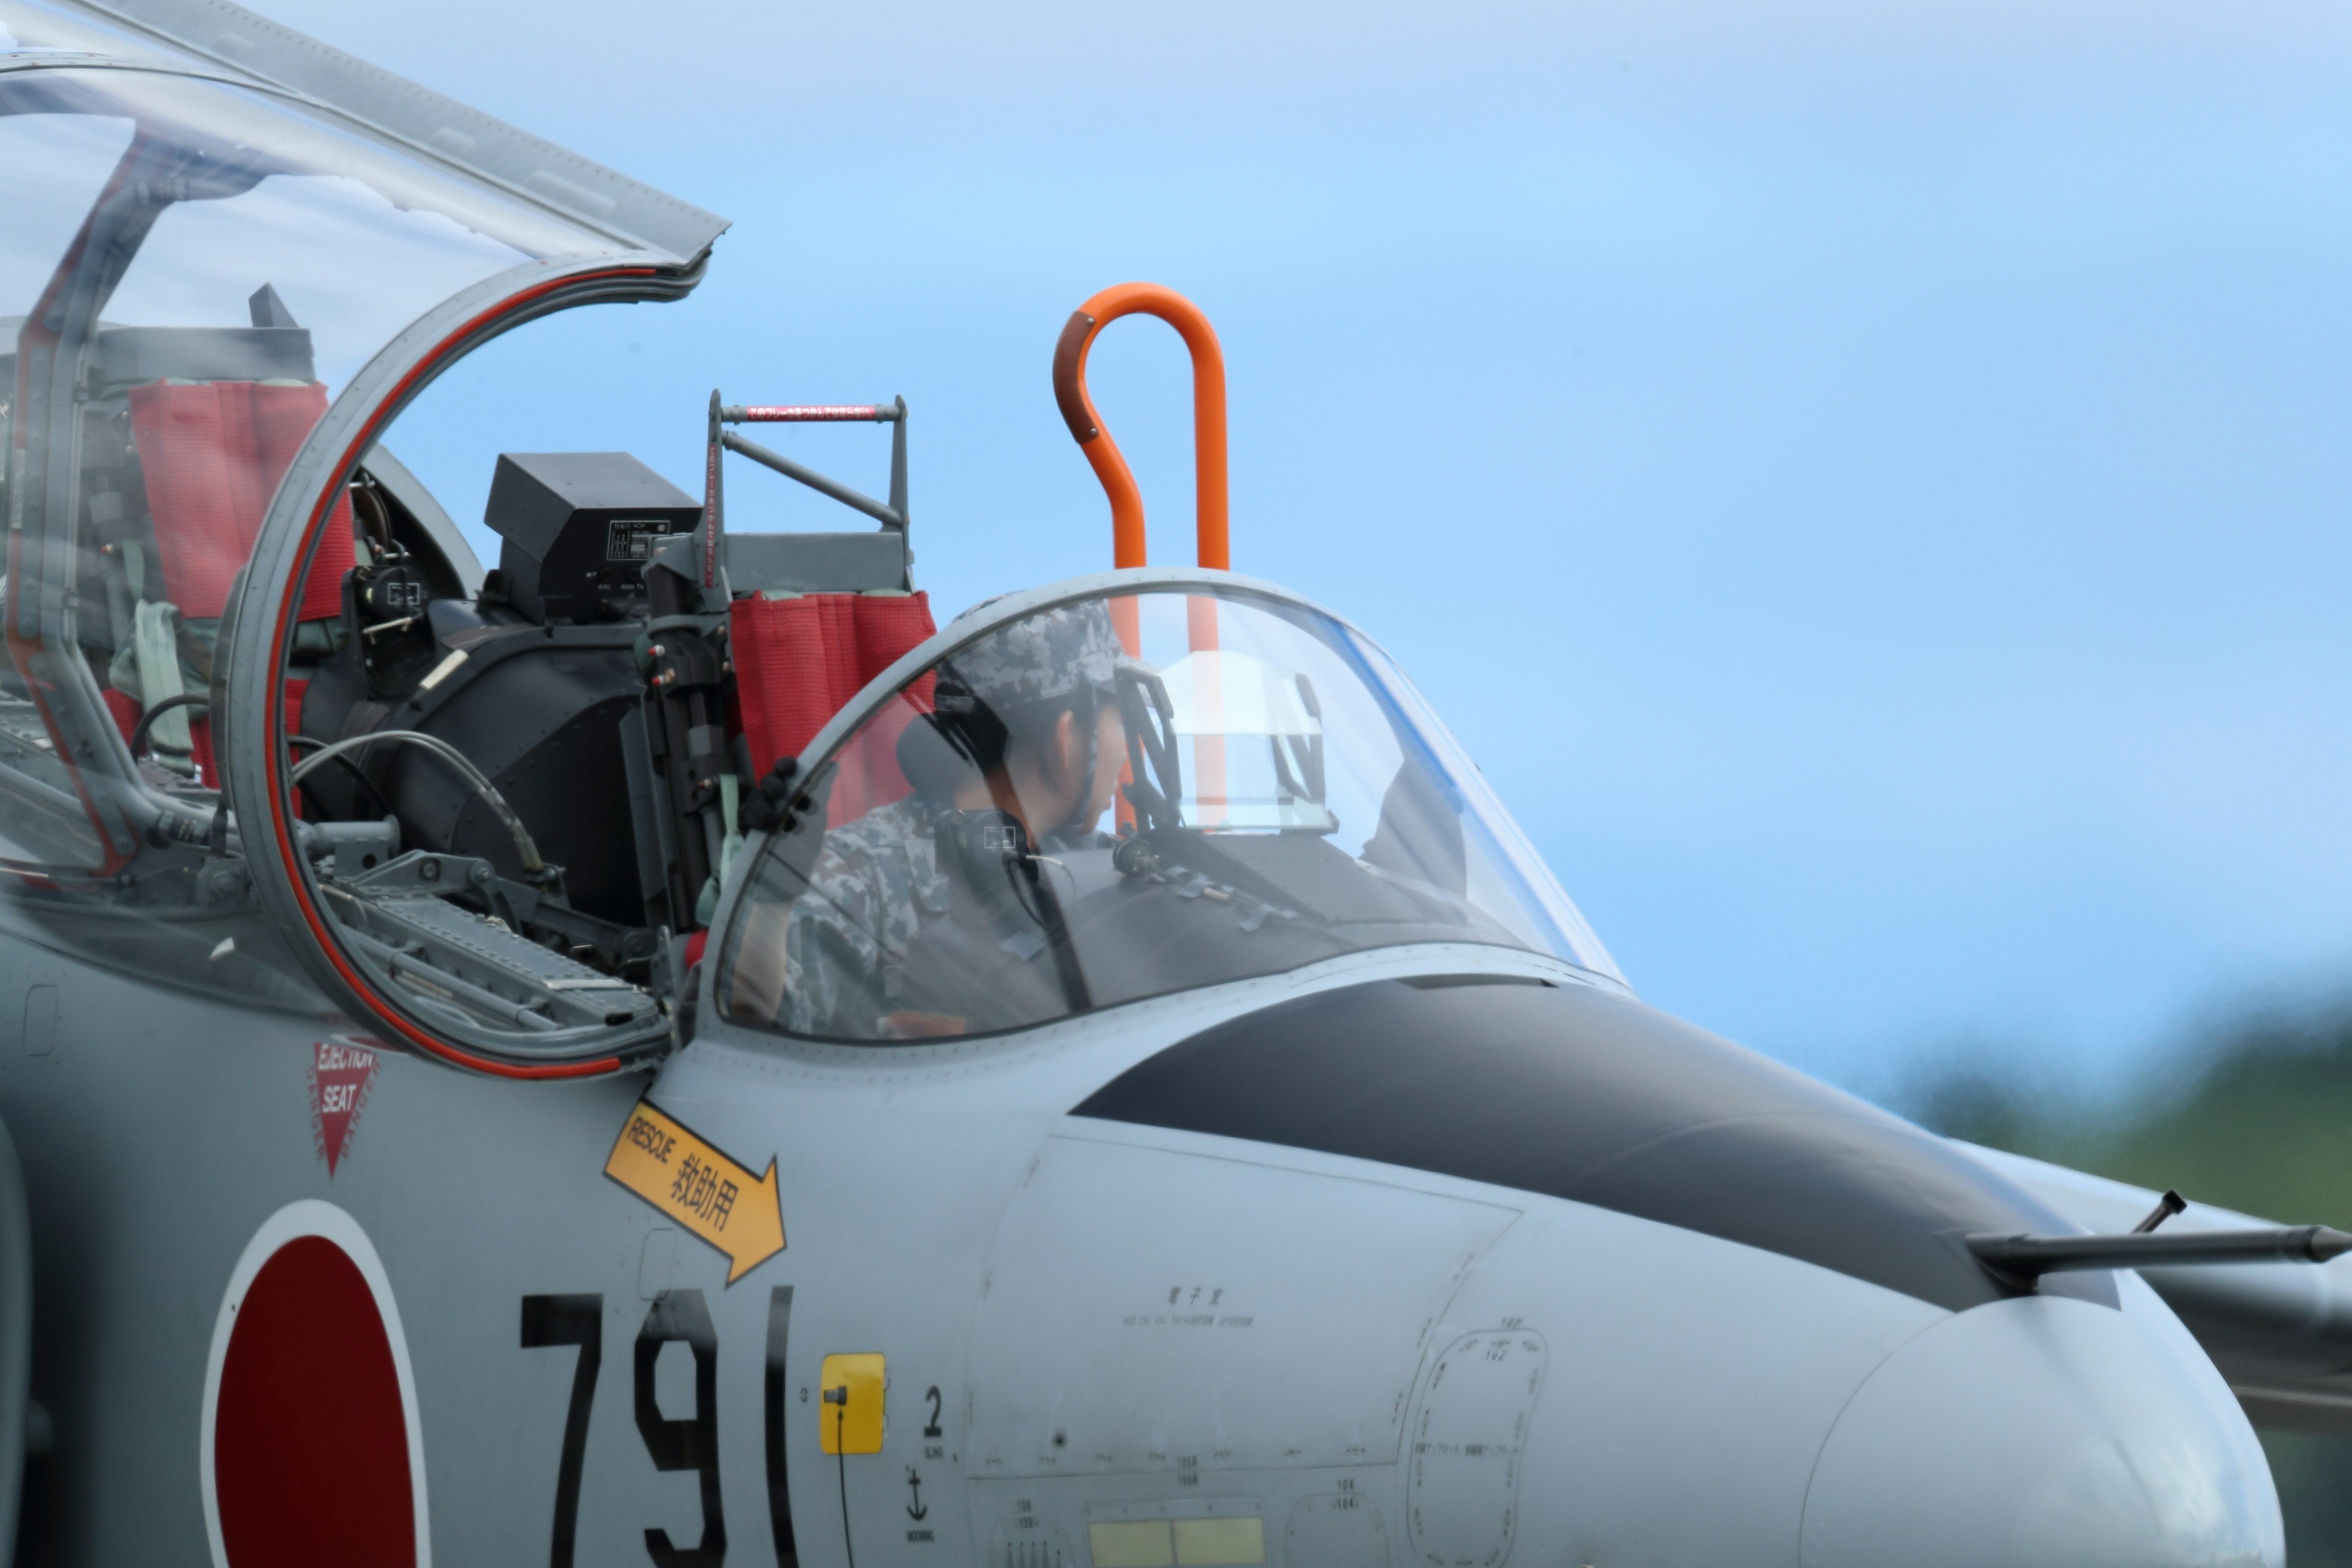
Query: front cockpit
x=1148, y=787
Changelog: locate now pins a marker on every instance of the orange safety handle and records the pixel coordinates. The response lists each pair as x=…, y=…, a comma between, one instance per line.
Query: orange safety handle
x=1208, y=415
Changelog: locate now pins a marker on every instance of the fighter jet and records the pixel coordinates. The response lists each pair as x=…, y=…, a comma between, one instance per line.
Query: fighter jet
x=657, y=1050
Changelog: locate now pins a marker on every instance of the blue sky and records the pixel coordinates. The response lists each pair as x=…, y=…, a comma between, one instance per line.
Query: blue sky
x=1868, y=484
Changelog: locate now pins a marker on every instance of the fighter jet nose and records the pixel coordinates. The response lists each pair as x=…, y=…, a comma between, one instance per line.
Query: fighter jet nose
x=2045, y=1432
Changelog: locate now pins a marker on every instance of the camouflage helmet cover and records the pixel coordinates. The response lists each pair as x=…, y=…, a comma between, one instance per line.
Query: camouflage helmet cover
x=1052, y=653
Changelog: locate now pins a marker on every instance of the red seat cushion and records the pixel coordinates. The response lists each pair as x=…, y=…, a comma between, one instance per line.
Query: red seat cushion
x=798, y=660
x=214, y=453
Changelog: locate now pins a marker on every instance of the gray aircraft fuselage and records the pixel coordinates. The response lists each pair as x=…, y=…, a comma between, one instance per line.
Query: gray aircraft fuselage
x=1094, y=1324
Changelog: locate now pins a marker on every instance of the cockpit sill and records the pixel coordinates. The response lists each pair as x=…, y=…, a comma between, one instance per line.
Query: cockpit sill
x=1093, y=1047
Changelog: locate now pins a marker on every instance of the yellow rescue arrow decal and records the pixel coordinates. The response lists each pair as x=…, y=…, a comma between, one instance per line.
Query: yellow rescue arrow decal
x=659, y=1160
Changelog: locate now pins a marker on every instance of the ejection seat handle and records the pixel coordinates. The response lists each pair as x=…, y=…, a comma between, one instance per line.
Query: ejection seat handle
x=1102, y=452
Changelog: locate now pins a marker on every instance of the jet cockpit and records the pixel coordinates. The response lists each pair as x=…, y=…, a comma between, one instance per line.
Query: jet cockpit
x=268, y=726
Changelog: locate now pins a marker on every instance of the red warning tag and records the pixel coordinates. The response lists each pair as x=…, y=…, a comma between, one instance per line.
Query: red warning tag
x=339, y=1076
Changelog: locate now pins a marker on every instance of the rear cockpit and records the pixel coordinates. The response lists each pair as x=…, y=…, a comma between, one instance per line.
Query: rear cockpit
x=507, y=793
x=518, y=788
x=223, y=275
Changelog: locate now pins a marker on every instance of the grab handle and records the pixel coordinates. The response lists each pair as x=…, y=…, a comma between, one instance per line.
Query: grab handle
x=1102, y=452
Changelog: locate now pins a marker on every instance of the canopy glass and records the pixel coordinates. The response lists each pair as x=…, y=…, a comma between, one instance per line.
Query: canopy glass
x=194, y=266
x=1119, y=797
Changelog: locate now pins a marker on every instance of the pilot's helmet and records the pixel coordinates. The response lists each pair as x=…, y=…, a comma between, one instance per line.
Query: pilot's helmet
x=1055, y=652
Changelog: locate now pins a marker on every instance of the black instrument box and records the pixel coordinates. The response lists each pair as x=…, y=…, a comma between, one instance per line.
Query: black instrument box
x=579, y=528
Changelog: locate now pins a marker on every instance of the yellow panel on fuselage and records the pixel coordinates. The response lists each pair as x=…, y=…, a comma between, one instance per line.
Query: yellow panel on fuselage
x=853, y=1385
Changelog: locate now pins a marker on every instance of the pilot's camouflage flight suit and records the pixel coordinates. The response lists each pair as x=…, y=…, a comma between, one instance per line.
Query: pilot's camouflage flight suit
x=877, y=881
x=875, y=884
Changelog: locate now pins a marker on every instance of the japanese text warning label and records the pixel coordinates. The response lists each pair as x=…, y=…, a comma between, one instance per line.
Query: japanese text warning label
x=660, y=1161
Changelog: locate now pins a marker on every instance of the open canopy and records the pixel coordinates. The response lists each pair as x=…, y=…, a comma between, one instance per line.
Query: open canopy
x=231, y=256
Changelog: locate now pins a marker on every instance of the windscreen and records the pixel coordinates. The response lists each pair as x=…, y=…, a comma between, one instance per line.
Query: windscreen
x=190, y=272
x=1122, y=797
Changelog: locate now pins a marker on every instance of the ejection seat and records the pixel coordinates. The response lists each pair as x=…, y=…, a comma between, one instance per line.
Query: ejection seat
x=810, y=618
x=204, y=423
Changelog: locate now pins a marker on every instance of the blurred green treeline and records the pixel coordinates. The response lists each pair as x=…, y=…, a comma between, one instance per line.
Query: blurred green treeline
x=2253, y=1113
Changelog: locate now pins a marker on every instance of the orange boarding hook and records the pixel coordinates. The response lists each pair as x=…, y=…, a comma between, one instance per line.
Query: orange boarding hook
x=1208, y=415
x=1208, y=769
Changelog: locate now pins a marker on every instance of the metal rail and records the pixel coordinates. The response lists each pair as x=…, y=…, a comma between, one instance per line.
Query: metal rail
x=892, y=514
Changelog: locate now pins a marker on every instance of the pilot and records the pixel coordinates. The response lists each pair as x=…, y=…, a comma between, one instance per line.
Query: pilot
x=1031, y=728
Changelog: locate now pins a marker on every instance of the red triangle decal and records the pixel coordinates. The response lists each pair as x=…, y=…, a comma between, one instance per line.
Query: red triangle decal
x=340, y=1075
